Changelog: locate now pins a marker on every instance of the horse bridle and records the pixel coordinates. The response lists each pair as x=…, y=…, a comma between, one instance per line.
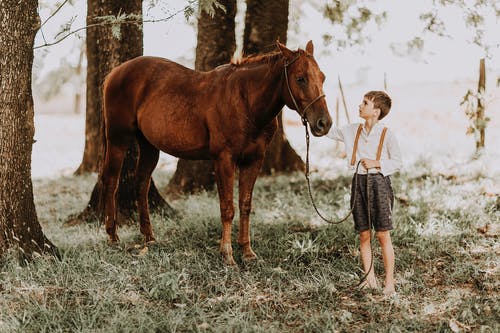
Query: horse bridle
x=303, y=112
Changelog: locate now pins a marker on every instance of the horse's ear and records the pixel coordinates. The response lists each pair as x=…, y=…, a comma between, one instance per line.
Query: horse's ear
x=310, y=47
x=288, y=54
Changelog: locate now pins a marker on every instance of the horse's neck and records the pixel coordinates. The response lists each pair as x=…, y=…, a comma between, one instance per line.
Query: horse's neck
x=265, y=86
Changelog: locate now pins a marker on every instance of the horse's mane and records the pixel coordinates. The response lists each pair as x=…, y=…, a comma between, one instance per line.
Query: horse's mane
x=260, y=58
x=256, y=59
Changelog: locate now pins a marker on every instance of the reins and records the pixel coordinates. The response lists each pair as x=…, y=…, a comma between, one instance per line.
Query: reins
x=363, y=278
x=305, y=122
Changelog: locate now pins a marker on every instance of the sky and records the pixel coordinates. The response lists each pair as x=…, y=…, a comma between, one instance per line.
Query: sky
x=443, y=59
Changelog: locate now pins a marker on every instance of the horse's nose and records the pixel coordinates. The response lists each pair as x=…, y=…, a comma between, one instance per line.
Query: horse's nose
x=323, y=124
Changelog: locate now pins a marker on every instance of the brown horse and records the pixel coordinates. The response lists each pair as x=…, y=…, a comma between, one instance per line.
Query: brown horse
x=227, y=115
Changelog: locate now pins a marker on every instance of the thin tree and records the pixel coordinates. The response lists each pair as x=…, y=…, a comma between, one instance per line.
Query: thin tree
x=19, y=225
x=105, y=51
x=481, y=90
x=475, y=107
x=476, y=15
x=107, y=47
x=216, y=43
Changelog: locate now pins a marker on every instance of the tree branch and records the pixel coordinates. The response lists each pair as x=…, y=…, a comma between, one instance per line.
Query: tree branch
x=54, y=13
x=189, y=6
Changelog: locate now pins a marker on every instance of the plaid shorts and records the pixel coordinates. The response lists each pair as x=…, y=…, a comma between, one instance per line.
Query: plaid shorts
x=381, y=202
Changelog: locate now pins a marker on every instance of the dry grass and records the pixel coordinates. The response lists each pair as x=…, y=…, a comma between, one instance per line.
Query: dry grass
x=447, y=269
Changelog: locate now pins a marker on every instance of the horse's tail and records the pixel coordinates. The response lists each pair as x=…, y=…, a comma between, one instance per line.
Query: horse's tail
x=102, y=131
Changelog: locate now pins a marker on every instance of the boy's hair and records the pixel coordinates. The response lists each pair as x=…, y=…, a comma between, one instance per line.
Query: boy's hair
x=380, y=101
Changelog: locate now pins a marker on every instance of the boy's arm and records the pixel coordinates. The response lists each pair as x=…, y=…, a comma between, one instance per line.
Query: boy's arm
x=336, y=133
x=394, y=163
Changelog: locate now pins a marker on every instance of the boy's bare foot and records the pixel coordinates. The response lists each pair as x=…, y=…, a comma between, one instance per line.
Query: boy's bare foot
x=389, y=290
x=369, y=284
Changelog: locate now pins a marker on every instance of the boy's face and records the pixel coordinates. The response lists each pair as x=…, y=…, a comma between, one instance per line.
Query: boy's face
x=367, y=109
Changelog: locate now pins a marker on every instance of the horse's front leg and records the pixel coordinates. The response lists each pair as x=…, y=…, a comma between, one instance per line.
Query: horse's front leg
x=247, y=178
x=224, y=175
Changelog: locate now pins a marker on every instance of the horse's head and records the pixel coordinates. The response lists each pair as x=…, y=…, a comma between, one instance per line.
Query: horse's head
x=303, y=90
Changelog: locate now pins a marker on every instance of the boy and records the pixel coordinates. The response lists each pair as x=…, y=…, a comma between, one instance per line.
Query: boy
x=378, y=152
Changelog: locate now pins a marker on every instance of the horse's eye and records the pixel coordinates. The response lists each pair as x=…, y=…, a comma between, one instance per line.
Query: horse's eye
x=301, y=80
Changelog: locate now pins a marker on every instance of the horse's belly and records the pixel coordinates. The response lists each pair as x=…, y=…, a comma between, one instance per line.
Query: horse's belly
x=197, y=154
x=188, y=142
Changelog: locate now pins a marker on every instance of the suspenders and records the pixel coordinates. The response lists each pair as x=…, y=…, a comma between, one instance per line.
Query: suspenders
x=355, y=148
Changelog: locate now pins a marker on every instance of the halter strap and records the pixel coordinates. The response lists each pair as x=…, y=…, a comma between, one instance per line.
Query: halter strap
x=355, y=148
x=303, y=112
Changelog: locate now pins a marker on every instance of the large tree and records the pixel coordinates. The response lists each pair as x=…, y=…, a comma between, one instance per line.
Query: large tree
x=105, y=51
x=216, y=44
x=265, y=23
x=19, y=226
x=109, y=45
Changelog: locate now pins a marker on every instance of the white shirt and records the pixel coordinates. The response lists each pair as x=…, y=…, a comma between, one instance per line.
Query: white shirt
x=390, y=159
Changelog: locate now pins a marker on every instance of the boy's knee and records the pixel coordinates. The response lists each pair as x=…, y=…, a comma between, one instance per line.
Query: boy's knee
x=383, y=236
x=364, y=236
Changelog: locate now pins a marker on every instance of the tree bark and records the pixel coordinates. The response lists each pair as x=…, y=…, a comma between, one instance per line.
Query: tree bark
x=216, y=44
x=19, y=225
x=104, y=52
x=265, y=23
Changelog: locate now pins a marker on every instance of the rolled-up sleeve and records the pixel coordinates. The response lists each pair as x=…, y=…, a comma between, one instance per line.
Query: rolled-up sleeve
x=393, y=162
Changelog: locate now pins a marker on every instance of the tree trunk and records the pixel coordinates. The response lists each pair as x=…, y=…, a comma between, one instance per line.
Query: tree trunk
x=265, y=23
x=19, y=226
x=481, y=89
x=215, y=46
x=104, y=52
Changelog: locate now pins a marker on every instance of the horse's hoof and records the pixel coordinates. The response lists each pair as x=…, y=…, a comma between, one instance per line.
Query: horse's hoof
x=113, y=242
x=113, y=239
x=229, y=261
x=249, y=256
x=150, y=241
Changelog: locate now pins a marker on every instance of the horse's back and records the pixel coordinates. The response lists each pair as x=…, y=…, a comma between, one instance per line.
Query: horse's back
x=133, y=77
x=160, y=98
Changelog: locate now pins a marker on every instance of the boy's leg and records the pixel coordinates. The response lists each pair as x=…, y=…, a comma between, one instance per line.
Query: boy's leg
x=384, y=238
x=366, y=258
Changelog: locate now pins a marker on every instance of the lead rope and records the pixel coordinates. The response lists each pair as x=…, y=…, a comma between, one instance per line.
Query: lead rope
x=372, y=238
x=363, y=278
x=304, y=121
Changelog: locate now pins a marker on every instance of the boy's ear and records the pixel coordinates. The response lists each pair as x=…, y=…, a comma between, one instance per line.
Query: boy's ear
x=288, y=54
x=310, y=47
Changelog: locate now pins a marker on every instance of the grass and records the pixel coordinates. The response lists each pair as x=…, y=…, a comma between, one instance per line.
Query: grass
x=303, y=281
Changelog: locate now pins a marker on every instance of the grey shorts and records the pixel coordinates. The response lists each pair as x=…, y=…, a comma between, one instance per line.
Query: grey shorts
x=381, y=202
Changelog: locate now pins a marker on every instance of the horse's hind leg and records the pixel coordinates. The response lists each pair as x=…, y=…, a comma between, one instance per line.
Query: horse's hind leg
x=115, y=154
x=148, y=158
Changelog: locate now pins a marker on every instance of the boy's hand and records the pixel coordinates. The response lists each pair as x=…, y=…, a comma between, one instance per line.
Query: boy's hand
x=370, y=164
